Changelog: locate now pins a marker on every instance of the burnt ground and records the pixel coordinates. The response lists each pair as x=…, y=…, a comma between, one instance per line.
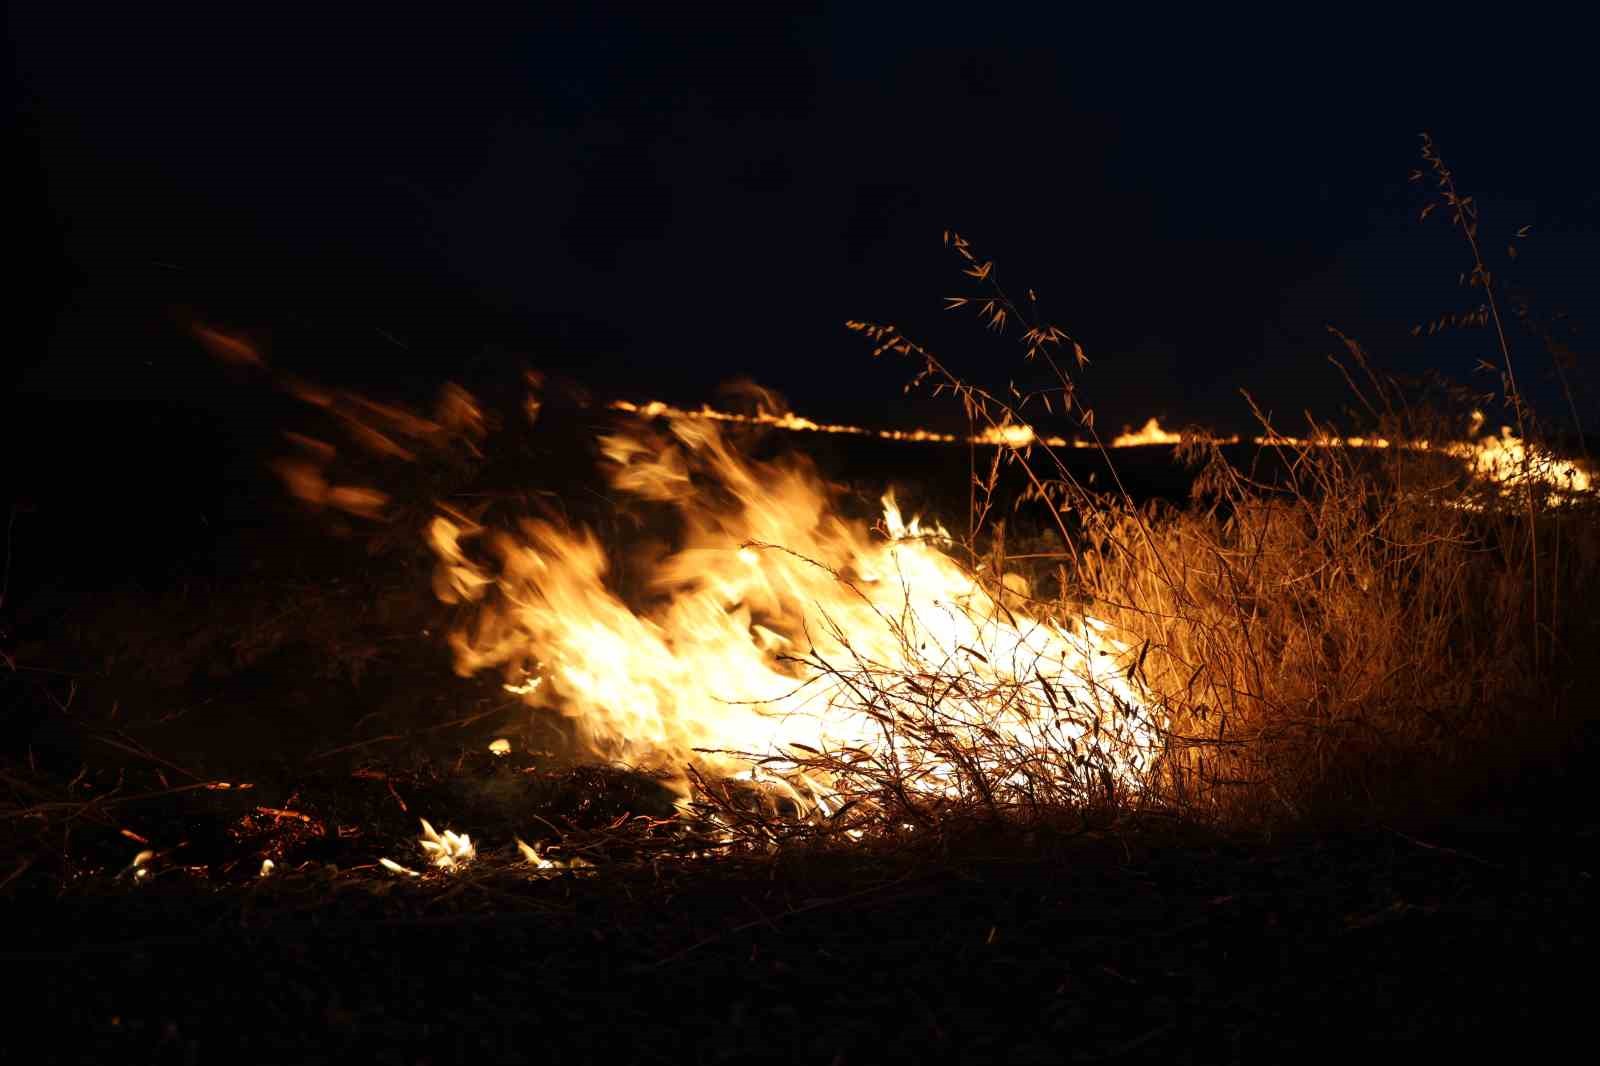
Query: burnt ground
x=1126, y=946
x=155, y=646
x=1469, y=934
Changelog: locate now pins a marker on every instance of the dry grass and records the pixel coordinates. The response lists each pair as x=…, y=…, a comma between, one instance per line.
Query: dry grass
x=1363, y=633
x=1352, y=634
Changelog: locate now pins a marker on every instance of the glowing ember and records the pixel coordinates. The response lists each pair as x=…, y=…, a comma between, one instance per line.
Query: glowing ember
x=500, y=746
x=139, y=867
x=267, y=866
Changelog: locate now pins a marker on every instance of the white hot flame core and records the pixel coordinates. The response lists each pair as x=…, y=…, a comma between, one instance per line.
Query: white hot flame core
x=780, y=626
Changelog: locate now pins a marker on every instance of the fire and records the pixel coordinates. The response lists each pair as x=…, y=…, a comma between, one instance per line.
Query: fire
x=546, y=865
x=1153, y=433
x=1506, y=461
x=1016, y=436
x=782, y=636
x=447, y=851
x=783, y=641
x=781, y=628
x=1503, y=461
x=1150, y=433
x=780, y=420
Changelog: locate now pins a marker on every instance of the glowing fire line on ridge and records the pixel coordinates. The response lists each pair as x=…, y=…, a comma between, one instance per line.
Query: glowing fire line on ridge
x=1502, y=460
x=1016, y=436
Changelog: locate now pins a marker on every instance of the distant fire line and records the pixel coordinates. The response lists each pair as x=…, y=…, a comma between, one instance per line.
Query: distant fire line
x=1499, y=459
x=1017, y=436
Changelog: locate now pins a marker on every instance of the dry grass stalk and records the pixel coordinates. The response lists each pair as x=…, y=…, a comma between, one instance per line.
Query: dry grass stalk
x=1343, y=638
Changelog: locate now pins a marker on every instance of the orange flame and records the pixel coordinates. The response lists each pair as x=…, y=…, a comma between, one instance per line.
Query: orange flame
x=1014, y=435
x=779, y=626
x=226, y=348
x=1501, y=461
x=1150, y=433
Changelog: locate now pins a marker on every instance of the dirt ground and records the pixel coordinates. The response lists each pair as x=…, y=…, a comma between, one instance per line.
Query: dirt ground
x=1126, y=945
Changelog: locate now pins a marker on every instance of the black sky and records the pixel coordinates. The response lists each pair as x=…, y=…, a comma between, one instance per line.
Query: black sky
x=657, y=200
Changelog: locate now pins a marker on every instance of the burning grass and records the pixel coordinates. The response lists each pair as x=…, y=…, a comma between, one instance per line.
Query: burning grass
x=1341, y=628
x=982, y=774
x=1332, y=641
x=784, y=643
x=1364, y=630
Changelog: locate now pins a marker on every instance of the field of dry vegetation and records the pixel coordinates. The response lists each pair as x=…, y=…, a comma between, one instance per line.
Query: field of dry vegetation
x=1363, y=631
x=1168, y=778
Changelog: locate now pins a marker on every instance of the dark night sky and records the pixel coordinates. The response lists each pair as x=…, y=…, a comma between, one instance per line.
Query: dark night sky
x=658, y=202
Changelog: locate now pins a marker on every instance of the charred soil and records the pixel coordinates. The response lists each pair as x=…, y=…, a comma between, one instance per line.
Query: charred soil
x=277, y=697
x=1120, y=943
